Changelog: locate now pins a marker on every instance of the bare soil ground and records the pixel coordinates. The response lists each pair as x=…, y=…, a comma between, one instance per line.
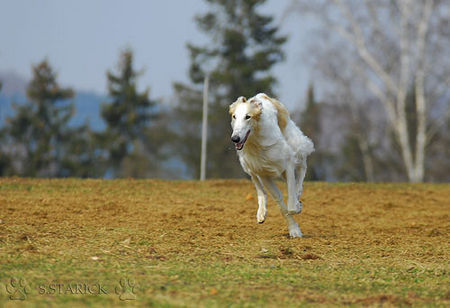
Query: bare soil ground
x=187, y=243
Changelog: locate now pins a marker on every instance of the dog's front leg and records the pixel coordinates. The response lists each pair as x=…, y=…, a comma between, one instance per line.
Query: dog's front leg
x=300, y=176
x=262, y=200
x=294, y=229
x=294, y=206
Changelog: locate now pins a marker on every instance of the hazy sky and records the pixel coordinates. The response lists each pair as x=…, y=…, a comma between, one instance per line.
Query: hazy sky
x=83, y=38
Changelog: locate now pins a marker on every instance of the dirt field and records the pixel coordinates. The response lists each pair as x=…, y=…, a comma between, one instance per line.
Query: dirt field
x=180, y=243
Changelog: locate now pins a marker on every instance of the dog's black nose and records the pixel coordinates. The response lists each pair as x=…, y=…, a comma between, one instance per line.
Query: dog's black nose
x=235, y=139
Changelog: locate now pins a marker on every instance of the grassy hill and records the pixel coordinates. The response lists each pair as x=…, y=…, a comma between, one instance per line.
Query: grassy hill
x=175, y=243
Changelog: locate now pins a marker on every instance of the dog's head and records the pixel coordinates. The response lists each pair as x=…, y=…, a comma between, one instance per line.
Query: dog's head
x=244, y=119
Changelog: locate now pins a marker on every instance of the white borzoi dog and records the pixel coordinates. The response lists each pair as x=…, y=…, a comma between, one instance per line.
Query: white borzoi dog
x=269, y=146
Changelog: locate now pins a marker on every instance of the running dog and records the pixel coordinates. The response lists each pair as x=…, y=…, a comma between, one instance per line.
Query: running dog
x=269, y=145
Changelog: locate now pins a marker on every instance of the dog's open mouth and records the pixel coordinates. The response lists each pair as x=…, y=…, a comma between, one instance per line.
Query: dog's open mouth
x=240, y=144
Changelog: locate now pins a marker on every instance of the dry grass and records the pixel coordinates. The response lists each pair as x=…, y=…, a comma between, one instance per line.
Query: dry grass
x=198, y=244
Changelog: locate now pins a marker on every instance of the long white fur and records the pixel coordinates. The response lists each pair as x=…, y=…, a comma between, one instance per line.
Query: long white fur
x=272, y=152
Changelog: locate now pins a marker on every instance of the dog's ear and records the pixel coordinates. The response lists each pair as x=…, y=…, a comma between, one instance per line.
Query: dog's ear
x=255, y=108
x=256, y=103
x=241, y=99
x=233, y=106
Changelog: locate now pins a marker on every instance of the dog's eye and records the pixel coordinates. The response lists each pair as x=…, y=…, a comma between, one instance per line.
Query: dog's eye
x=234, y=117
x=247, y=117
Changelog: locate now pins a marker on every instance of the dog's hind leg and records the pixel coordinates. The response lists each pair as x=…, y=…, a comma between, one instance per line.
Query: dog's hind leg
x=294, y=229
x=294, y=206
x=262, y=200
x=300, y=173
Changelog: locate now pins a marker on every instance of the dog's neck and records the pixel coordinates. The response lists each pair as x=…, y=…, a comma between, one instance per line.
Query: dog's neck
x=258, y=142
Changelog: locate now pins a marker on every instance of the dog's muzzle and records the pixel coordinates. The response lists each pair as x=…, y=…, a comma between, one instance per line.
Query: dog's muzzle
x=238, y=143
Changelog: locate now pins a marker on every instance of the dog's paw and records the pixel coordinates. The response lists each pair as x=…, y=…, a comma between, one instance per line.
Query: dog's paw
x=261, y=216
x=295, y=209
x=294, y=231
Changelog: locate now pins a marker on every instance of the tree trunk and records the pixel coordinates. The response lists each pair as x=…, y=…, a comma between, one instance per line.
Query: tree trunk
x=420, y=93
x=401, y=130
x=367, y=158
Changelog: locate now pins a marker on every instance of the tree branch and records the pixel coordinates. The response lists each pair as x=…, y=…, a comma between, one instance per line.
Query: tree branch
x=438, y=124
x=373, y=16
x=375, y=89
x=405, y=11
x=357, y=38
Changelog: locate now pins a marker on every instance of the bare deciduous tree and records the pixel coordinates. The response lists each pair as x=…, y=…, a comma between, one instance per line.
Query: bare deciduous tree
x=388, y=48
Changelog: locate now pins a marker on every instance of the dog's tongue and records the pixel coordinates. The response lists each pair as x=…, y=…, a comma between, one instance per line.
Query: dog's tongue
x=240, y=145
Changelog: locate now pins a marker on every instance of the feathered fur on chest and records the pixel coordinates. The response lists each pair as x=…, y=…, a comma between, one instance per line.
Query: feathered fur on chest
x=262, y=160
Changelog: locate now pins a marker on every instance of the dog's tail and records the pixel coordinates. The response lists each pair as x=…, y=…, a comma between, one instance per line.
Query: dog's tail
x=306, y=146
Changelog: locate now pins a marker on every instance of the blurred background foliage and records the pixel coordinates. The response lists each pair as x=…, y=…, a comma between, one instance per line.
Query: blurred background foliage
x=382, y=66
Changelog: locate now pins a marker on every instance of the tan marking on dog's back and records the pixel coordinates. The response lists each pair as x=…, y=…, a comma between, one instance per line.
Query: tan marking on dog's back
x=282, y=112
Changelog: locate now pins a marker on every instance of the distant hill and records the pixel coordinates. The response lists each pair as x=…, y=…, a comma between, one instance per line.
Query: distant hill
x=87, y=104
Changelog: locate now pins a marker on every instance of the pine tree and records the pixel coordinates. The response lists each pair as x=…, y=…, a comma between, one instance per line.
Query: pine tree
x=244, y=46
x=39, y=130
x=83, y=156
x=351, y=167
x=127, y=116
x=6, y=167
x=310, y=125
